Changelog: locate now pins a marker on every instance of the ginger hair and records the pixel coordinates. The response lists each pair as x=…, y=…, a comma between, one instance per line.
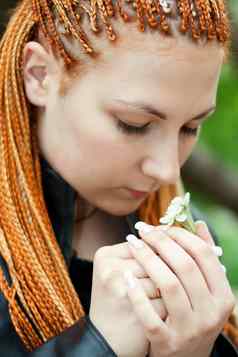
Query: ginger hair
x=42, y=301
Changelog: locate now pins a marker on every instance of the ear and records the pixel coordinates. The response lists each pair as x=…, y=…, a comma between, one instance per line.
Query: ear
x=36, y=73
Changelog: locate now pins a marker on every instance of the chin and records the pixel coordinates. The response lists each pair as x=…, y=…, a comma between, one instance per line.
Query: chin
x=121, y=209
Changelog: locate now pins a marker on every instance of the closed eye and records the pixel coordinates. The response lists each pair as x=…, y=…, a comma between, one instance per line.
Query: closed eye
x=141, y=130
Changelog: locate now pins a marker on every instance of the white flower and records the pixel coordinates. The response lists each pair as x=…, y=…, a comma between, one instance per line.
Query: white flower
x=177, y=211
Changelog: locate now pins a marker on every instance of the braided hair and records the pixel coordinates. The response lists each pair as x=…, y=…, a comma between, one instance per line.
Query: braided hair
x=41, y=299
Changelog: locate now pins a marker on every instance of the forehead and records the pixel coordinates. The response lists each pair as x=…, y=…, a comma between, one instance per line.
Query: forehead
x=151, y=42
x=151, y=57
x=143, y=65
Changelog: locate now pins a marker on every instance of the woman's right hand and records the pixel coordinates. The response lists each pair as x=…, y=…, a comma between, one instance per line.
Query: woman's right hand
x=110, y=309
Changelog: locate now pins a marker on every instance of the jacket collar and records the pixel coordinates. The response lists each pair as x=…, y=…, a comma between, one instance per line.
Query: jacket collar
x=60, y=198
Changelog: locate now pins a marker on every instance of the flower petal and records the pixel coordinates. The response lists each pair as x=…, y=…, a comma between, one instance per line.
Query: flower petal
x=172, y=211
x=187, y=199
x=175, y=211
x=181, y=218
x=176, y=201
x=167, y=220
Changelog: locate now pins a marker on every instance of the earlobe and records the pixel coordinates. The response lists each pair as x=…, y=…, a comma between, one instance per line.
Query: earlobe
x=35, y=59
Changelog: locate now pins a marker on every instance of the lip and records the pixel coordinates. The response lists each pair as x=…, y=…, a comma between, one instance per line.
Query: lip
x=138, y=194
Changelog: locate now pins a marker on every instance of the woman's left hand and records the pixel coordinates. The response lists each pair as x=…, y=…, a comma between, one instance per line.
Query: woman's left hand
x=194, y=289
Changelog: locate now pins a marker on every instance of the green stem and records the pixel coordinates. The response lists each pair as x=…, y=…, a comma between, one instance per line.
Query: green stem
x=189, y=223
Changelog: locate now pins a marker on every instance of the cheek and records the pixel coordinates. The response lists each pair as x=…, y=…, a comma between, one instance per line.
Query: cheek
x=102, y=149
x=96, y=134
x=186, y=148
x=108, y=153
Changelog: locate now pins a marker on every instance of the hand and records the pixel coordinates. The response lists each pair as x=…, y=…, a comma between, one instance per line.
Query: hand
x=194, y=288
x=110, y=309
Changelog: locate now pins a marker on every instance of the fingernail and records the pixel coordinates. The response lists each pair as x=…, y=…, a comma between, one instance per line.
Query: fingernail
x=134, y=241
x=217, y=250
x=144, y=227
x=139, y=224
x=223, y=268
x=130, y=280
x=200, y=222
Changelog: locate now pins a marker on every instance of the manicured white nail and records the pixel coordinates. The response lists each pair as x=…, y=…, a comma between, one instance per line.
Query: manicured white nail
x=144, y=227
x=130, y=280
x=201, y=222
x=139, y=225
x=217, y=250
x=223, y=268
x=134, y=241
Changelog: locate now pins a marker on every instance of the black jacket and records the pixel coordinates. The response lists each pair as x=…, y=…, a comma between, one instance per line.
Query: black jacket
x=82, y=339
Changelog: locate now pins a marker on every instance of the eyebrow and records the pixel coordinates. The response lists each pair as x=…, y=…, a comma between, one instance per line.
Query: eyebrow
x=153, y=111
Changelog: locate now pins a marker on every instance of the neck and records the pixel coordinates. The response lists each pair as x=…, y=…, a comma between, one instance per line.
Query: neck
x=84, y=209
x=97, y=231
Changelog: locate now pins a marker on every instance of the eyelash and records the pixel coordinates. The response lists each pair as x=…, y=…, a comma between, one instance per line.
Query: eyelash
x=129, y=129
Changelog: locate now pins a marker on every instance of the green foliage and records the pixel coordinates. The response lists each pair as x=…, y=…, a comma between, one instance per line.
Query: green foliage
x=220, y=135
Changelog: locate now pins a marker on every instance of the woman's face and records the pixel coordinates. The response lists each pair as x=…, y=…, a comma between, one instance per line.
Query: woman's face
x=168, y=86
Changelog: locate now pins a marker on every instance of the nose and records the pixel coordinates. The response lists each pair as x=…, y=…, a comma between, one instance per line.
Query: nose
x=164, y=169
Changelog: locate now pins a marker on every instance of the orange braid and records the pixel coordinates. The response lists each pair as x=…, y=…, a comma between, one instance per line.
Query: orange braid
x=42, y=300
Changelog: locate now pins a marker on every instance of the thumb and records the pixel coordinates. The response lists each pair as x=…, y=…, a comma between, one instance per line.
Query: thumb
x=203, y=232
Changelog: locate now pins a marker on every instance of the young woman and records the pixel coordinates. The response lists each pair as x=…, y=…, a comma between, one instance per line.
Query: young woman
x=101, y=103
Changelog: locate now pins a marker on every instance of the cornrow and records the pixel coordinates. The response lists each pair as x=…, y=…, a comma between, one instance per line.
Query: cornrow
x=41, y=298
x=150, y=10
x=196, y=31
x=163, y=24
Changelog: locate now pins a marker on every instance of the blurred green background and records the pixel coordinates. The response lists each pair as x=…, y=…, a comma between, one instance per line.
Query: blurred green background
x=220, y=137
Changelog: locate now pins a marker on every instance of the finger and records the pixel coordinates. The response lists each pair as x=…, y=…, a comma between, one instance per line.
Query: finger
x=128, y=264
x=139, y=272
x=120, y=250
x=149, y=287
x=160, y=308
x=205, y=257
x=183, y=265
x=117, y=269
x=152, y=293
x=171, y=289
x=144, y=310
x=203, y=232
